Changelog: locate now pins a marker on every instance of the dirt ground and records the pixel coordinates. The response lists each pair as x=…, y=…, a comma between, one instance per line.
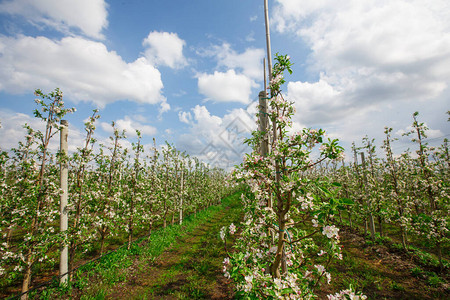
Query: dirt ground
x=385, y=273
x=191, y=269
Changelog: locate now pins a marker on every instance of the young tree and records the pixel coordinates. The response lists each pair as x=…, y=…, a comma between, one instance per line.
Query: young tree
x=273, y=251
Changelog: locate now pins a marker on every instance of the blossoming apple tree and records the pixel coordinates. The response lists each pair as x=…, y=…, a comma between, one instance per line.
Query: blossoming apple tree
x=285, y=208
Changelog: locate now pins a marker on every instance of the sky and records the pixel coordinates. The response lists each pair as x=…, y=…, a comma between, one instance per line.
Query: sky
x=189, y=72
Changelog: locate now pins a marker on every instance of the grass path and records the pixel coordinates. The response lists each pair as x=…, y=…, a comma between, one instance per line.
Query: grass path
x=190, y=269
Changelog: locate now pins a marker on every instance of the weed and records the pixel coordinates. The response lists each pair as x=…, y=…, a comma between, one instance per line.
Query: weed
x=396, y=287
x=434, y=280
x=100, y=295
x=417, y=272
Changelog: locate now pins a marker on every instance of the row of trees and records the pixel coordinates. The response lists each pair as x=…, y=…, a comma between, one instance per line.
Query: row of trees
x=113, y=190
x=289, y=235
x=287, y=238
x=410, y=190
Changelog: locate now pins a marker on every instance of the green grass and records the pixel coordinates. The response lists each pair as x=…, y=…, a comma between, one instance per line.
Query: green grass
x=113, y=268
x=417, y=246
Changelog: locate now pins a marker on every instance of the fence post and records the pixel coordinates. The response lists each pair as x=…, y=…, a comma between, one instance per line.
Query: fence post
x=63, y=262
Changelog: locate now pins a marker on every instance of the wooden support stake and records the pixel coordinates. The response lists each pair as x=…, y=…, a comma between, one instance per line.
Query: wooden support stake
x=63, y=263
x=371, y=221
x=263, y=123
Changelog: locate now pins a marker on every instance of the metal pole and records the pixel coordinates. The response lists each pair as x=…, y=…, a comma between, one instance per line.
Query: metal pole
x=63, y=263
x=269, y=52
x=265, y=75
x=269, y=63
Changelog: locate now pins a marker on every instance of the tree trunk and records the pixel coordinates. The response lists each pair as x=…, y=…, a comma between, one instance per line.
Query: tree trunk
x=439, y=251
x=275, y=269
x=165, y=219
x=365, y=226
x=150, y=229
x=9, y=236
x=102, y=241
x=380, y=224
x=72, y=249
x=372, y=226
x=27, y=276
x=130, y=232
x=403, y=238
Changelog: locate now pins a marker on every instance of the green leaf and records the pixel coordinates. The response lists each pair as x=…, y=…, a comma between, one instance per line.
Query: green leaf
x=287, y=291
x=347, y=201
x=327, y=192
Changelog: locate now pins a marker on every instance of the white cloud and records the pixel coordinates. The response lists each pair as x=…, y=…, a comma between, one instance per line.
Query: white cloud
x=226, y=87
x=84, y=70
x=249, y=62
x=250, y=37
x=130, y=126
x=164, y=107
x=165, y=49
x=311, y=98
x=218, y=140
x=373, y=51
x=377, y=62
x=185, y=117
x=430, y=133
x=12, y=131
x=89, y=16
x=236, y=73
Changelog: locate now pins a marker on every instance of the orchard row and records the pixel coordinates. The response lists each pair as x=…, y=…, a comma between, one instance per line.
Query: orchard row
x=289, y=235
x=112, y=190
x=410, y=191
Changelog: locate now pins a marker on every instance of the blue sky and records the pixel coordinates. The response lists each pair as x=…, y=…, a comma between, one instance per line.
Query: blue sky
x=188, y=71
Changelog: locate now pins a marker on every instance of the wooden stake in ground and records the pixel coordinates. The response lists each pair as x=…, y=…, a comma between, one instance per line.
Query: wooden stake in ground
x=371, y=221
x=63, y=225
x=263, y=123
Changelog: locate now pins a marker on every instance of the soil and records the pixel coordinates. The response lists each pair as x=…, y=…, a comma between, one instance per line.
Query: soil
x=191, y=269
x=392, y=270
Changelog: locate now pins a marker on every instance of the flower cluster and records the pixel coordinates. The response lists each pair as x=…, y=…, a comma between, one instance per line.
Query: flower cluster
x=347, y=294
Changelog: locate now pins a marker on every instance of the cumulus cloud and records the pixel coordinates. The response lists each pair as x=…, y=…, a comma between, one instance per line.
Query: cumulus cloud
x=370, y=51
x=185, y=116
x=88, y=16
x=430, y=133
x=130, y=126
x=164, y=107
x=249, y=62
x=165, y=48
x=376, y=63
x=218, y=140
x=85, y=70
x=226, y=87
x=12, y=131
x=235, y=76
